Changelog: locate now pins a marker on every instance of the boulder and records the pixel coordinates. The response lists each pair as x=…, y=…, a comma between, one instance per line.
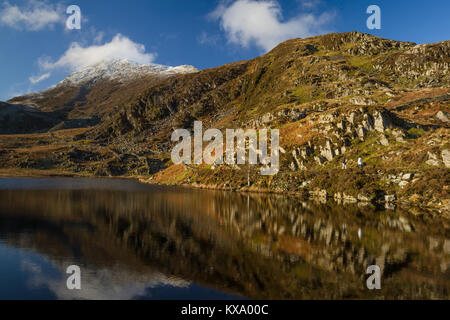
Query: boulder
x=267, y=118
x=443, y=116
x=320, y=160
x=296, y=115
x=399, y=135
x=390, y=198
x=382, y=121
x=361, y=133
x=432, y=160
x=384, y=141
x=328, y=152
x=368, y=122
x=341, y=125
x=327, y=118
x=292, y=166
x=403, y=184
x=446, y=157
x=407, y=177
x=365, y=197
x=352, y=117
x=362, y=101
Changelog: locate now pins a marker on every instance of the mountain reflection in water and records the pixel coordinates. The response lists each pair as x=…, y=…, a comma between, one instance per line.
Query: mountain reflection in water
x=135, y=241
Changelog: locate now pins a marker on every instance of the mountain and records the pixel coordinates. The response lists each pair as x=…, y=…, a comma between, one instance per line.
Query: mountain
x=23, y=119
x=122, y=70
x=335, y=96
x=97, y=89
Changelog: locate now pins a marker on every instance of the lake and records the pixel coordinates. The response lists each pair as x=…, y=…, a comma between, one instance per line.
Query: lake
x=137, y=241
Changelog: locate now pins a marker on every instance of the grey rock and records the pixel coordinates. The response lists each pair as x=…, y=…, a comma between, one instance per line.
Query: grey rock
x=432, y=160
x=384, y=141
x=328, y=152
x=352, y=117
x=446, y=157
x=361, y=133
x=267, y=118
x=362, y=101
x=292, y=166
x=382, y=121
x=399, y=135
x=432, y=156
x=306, y=152
x=403, y=184
x=341, y=125
x=368, y=122
x=443, y=116
x=320, y=160
x=366, y=197
x=407, y=176
x=327, y=118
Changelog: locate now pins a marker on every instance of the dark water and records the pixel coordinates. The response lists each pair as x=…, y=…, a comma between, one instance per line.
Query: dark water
x=135, y=241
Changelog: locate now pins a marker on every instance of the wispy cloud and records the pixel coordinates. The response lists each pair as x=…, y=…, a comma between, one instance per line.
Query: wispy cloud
x=78, y=56
x=33, y=16
x=37, y=79
x=310, y=4
x=261, y=23
x=208, y=39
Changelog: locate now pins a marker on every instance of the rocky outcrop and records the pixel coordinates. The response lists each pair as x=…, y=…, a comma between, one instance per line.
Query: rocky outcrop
x=19, y=119
x=362, y=101
x=382, y=121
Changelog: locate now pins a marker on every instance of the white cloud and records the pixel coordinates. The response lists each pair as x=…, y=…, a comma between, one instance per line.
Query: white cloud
x=34, y=16
x=115, y=283
x=260, y=23
x=78, y=57
x=37, y=79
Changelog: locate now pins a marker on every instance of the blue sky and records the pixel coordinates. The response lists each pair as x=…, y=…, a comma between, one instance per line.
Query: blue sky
x=38, y=51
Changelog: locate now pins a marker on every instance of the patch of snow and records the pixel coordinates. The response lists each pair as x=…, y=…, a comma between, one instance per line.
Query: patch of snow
x=122, y=70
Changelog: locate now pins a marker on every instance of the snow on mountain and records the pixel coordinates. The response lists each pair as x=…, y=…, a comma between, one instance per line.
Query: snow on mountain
x=122, y=70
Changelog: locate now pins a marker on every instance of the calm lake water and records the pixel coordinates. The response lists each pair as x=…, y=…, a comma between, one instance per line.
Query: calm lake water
x=136, y=241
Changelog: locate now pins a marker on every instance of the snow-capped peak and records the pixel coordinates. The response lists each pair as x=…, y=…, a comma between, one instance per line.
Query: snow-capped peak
x=122, y=70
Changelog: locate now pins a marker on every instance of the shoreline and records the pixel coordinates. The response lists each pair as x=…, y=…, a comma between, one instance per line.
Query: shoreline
x=312, y=195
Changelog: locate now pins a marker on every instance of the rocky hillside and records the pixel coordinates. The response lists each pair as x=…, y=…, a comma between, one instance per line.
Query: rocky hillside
x=99, y=89
x=16, y=118
x=339, y=95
